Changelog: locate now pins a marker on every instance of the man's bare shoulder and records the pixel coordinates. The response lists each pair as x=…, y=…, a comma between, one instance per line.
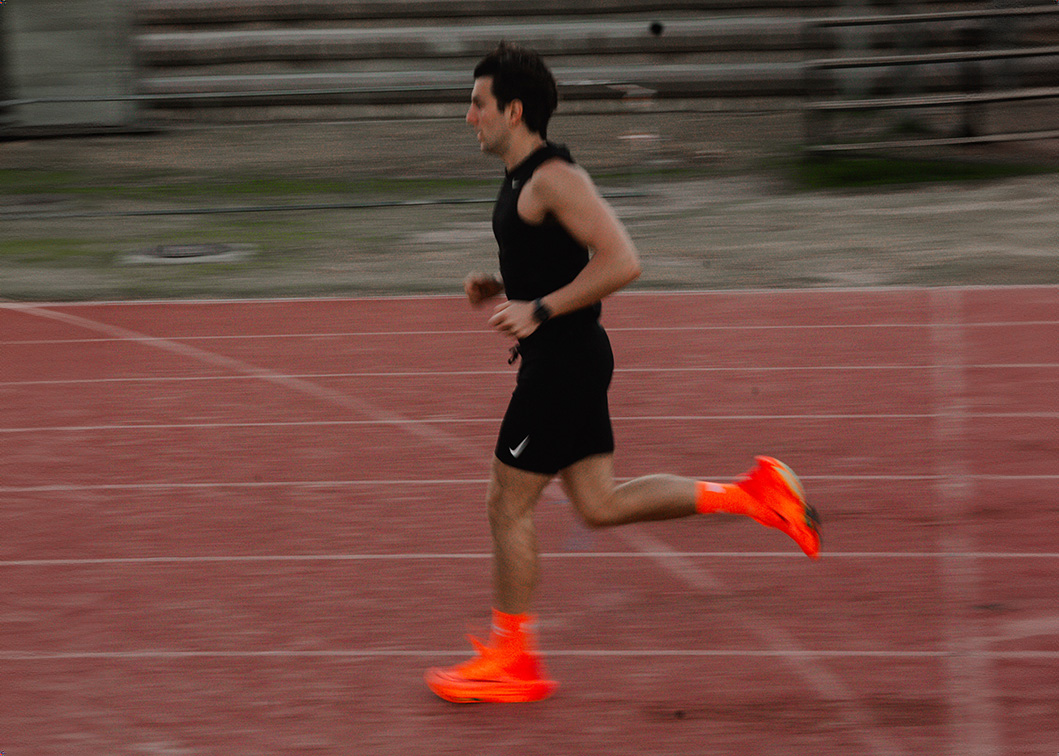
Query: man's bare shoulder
x=556, y=180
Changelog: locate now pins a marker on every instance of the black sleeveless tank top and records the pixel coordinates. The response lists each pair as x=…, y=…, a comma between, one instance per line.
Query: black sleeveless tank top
x=535, y=260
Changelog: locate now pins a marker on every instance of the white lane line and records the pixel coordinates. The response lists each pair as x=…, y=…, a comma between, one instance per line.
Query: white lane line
x=974, y=725
x=207, y=486
x=255, y=336
x=318, y=335
x=838, y=368
x=431, y=374
x=417, y=653
x=54, y=488
x=823, y=417
x=125, y=427
x=884, y=293
x=426, y=375
x=475, y=556
x=799, y=655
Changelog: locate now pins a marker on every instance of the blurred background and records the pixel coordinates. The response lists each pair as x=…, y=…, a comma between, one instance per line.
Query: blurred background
x=155, y=148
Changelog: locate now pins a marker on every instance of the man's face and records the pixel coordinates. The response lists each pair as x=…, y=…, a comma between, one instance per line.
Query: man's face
x=489, y=122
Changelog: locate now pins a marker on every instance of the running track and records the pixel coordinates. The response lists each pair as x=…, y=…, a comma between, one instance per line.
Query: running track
x=247, y=527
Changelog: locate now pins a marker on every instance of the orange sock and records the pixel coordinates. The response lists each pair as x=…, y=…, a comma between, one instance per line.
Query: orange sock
x=724, y=497
x=511, y=628
x=514, y=638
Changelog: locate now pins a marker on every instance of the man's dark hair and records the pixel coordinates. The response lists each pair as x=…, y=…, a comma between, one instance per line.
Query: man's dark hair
x=520, y=73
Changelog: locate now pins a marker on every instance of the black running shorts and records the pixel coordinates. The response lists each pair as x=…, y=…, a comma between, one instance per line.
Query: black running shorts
x=558, y=414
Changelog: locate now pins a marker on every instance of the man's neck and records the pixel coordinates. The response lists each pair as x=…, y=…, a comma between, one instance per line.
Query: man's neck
x=521, y=149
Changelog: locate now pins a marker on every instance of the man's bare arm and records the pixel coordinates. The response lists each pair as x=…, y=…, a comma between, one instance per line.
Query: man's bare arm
x=567, y=193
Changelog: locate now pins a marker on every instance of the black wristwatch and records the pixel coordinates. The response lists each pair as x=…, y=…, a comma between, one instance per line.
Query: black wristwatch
x=540, y=311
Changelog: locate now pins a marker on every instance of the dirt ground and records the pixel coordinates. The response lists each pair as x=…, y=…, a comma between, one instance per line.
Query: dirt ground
x=704, y=194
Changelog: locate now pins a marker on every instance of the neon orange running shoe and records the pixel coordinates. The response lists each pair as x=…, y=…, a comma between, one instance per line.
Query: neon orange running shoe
x=782, y=496
x=511, y=674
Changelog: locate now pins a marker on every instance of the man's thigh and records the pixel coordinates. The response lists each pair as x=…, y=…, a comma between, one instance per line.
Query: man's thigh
x=513, y=492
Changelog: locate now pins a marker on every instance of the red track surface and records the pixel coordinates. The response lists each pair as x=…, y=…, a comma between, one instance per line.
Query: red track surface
x=247, y=527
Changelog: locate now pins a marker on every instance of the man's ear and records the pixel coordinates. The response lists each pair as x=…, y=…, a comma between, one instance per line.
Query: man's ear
x=514, y=112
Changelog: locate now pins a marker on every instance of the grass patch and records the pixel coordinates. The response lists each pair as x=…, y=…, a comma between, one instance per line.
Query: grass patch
x=50, y=251
x=15, y=181
x=864, y=172
x=157, y=186
x=149, y=187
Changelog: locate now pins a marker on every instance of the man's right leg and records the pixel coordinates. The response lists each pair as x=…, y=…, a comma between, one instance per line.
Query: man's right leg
x=508, y=667
x=770, y=494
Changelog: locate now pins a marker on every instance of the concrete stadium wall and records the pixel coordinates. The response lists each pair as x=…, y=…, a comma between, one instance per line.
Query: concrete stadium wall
x=67, y=49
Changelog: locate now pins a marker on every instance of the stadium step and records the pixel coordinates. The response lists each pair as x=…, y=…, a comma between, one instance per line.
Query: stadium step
x=210, y=54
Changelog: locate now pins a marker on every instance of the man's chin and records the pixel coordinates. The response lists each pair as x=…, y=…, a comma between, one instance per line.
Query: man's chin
x=487, y=148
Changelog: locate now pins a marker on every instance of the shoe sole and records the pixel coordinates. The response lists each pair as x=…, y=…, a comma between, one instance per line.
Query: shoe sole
x=494, y=692
x=810, y=517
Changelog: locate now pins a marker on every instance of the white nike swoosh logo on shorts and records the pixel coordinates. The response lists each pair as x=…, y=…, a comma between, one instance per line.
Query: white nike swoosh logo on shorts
x=520, y=448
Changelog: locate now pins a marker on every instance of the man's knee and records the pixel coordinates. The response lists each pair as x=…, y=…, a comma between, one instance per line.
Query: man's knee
x=596, y=518
x=590, y=486
x=596, y=511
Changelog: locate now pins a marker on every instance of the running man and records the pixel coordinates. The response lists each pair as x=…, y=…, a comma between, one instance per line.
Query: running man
x=562, y=250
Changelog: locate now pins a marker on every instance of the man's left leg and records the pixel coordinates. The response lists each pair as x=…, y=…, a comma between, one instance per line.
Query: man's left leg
x=512, y=500
x=508, y=667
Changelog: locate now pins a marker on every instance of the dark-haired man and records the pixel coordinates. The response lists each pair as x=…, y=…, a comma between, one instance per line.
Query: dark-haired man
x=562, y=250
